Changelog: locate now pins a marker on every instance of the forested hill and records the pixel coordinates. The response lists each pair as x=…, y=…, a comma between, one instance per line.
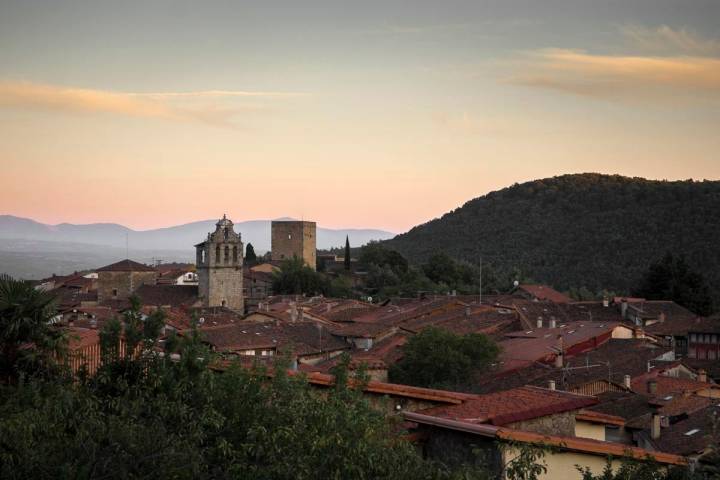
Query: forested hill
x=598, y=231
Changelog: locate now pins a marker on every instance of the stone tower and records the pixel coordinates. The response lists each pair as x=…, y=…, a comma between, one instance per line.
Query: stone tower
x=294, y=239
x=220, y=268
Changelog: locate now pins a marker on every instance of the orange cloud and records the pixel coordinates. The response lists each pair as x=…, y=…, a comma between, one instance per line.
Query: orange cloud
x=620, y=77
x=148, y=105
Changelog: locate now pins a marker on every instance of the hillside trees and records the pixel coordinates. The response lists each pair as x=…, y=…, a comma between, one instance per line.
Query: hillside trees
x=671, y=278
x=597, y=231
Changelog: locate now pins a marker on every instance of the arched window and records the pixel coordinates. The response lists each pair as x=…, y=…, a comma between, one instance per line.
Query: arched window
x=227, y=254
x=235, y=254
x=225, y=232
x=217, y=254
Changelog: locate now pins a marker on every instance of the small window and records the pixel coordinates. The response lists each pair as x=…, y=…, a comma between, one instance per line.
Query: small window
x=202, y=256
x=115, y=292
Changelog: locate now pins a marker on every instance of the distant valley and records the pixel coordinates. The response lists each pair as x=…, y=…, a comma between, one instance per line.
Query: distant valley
x=30, y=249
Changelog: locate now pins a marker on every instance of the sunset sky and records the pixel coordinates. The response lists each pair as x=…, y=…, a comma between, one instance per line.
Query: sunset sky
x=353, y=114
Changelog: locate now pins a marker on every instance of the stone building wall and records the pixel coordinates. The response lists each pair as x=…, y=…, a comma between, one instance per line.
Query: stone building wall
x=562, y=424
x=220, y=268
x=294, y=239
x=112, y=285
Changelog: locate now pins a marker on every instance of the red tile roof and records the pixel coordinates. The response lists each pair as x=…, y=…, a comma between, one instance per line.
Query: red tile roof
x=514, y=405
x=82, y=337
x=598, y=417
x=544, y=292
x=669, y=385
x=575, y=444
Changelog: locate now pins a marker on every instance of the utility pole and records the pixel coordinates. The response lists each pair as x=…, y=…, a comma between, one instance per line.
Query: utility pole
x=480, y=289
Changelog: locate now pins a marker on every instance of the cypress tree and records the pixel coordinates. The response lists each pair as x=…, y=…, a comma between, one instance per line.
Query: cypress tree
x=250, y=256
x=347, y=253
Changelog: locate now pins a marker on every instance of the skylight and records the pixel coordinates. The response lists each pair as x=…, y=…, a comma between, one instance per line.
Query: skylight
x=692, y=432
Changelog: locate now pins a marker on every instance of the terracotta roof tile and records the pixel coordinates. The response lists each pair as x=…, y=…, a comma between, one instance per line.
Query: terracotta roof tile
x=514, y=405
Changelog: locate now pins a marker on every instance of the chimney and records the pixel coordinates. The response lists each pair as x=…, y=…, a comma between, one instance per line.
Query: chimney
x=623, y=308
x=627, y=381
x=561, y=350
x=652, y=387
x=702, y=376
x=661, y=318
x=551, y=384
x=293, y=313
x=606, y=302
x=655, y=425
x=552, y=322
x=539, y=322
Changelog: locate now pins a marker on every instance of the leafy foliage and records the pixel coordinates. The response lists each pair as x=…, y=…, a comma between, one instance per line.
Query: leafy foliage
x=638, y=470
x=437, y=358
x=295, y=277
x=29, y=344
x=145, y=416
x=672, y=279
x=597, y=231
x=389, y=274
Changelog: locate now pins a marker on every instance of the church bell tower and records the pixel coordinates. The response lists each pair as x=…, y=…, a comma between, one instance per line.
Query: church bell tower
x=220, y=268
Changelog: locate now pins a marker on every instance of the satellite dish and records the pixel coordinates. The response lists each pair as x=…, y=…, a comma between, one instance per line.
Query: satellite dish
x=201, y=320
x=516, y=283
x=370, y=299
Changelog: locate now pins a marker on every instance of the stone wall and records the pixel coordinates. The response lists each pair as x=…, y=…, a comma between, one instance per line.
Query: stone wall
x=112, y=285
x=294, y=239
x=562, y=424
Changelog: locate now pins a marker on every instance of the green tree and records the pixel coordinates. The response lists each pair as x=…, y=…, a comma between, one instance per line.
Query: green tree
x=347, y=253
x=28, y=341
x=250, y=256
x=376, y=254
x=441, y=268
x=672, y=279
x=179, y=419
x=294, y=277
x=437, y=358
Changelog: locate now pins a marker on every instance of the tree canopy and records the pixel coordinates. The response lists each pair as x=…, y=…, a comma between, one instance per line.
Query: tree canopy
x=597, y=231
x=671, y=278
x=437, y=358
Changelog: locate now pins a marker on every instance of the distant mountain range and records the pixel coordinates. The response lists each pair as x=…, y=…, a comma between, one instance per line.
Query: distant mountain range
x=592, y=230
x=31, y=249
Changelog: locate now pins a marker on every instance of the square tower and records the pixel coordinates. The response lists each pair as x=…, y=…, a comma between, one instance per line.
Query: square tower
x=220, y=268
x=294, y=239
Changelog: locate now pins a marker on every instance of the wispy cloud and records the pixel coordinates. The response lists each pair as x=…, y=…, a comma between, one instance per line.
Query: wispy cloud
x=147, y=105
x=671, y=77
x=664, y=40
